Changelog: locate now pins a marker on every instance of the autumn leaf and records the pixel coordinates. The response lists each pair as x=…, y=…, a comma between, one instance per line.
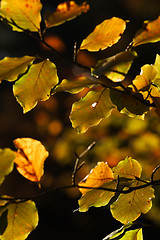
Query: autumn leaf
x=22, y=14
x=104, y=35
x=73, y=86
x=115, y=67
x=90, y=110
x=128, y=207
x=102, y=173
x=142, y=82
x=97, y=198
x=132, y=105
x=151, y=33
x=128, y=168
x=36, y=84
x=30, y=158
x=20, y=218
x=7, y=157
x=11, y=68
x=118, y=232
x=133, y=235
x=64, y=12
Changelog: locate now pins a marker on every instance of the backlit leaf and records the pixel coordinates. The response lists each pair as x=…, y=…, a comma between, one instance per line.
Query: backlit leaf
x=156, y=80
x=129, y=168
x=102, y=173
x=132, y=105
x=11, y=68
x=142, y=82
x=30, y=158
x=90, y=110
x=104, y=35
x=115, y=67
x=130, y=206
x=97, y=198
x=64, y=12
x=133, y=235
x=22, y=218
x=23, y=13
x=36, y=84
x=7, y=157
x=151, y=33
x=74, y=86
x=118, y=233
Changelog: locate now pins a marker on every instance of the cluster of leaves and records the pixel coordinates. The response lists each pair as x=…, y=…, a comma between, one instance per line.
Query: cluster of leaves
x=36, y=79
x=19, y=217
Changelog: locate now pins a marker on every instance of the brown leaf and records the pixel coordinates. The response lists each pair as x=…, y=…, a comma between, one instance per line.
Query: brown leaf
x=30, y=158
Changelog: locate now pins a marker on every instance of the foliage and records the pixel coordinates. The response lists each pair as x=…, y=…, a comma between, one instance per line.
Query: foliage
x=36, y=78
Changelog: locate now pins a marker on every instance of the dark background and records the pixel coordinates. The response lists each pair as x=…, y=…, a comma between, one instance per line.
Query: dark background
x=57, y=220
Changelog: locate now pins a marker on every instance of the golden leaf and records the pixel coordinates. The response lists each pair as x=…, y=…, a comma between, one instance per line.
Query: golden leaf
x=30, y=158
x=65, y=11
x=99, y=175
x=104, y=35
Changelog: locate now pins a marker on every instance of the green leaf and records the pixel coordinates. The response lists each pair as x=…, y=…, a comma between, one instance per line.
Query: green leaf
x=129, y=207
x=132, y=105
x=97, y=198
x=11, y=68
x=64, y=12
x=22, y=218
x=22, y=14
x=104, y=35
x=128, y=168
x=149, y=34
x=7, y=157
x=90, y=110
x=115, y=67
x=36, y=84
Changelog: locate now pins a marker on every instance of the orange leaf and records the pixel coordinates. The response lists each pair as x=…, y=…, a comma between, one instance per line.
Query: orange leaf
x=151, y=33
x=30, y=158
x=99, y=175
x=104, y=35
x=65, y=12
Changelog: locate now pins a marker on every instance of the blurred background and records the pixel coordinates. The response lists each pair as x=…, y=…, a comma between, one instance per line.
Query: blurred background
x=116, y=137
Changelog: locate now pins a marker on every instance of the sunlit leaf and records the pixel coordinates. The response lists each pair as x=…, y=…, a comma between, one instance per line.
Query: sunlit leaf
x=102, y=173
x=129, y=168
x=151, y=33
x=142, y=82
x=30, y=158
x=97, y=198
x=118, y=233
x=36, y=84
x=22, y=14
x=65, y=11
x=130, y=206
x=115, y=67
x=90, y=110
x=133, y=235
x=7, y=157
x=156, y=80
x=22, y=218
x=132, y=105
x=11, y=68
x=73, y=86
x=104, y=35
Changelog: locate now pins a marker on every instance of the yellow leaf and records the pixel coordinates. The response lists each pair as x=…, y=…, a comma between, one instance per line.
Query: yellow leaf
x=129, y=207
x=142, y=81
x=65, y=11
x=151, y=33
x=104, y=35
x=99, y=175
x=24, y=13
x=30, y=158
